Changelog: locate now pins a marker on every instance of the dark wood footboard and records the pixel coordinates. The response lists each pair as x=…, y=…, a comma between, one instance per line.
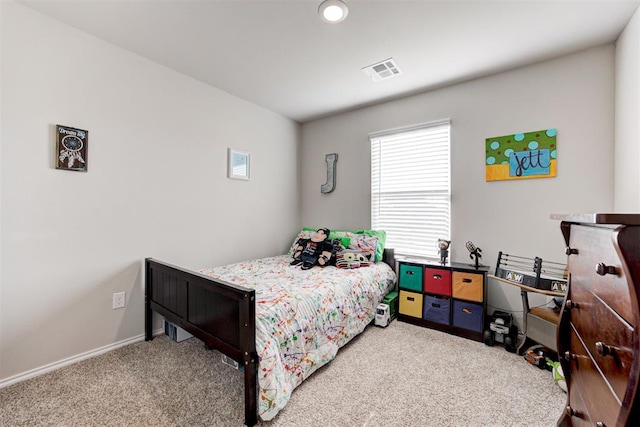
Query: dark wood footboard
x=219, y=313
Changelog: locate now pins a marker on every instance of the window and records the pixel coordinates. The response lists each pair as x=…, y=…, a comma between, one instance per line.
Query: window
x=410, y=187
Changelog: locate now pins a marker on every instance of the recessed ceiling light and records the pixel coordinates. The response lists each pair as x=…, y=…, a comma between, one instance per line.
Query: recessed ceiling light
x=333, y=11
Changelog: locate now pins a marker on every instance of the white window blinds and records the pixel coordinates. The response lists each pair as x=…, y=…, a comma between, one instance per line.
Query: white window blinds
x=410, y=187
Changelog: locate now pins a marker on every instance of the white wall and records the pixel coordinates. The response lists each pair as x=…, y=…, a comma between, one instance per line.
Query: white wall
x=574, y=94
x=156, y=186
x=627, y=122
x=1, y=210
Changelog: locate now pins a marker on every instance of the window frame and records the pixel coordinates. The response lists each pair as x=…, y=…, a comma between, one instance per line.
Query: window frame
x=434, y=195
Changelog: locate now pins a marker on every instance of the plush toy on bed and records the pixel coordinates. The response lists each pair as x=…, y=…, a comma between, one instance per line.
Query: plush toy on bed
x=350, y=259
x=336, y=248
x=314, y=251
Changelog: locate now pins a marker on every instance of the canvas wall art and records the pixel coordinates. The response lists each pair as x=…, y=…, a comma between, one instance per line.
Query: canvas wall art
x=521, y=156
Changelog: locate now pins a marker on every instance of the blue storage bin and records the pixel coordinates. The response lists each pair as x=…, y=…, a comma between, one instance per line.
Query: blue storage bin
x=468, y=315
x=436, y=309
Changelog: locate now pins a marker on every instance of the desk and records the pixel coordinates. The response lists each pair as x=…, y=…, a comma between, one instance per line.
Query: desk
x=539, y=323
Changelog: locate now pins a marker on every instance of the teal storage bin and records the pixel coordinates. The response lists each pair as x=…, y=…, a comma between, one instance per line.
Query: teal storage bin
x=410, y=277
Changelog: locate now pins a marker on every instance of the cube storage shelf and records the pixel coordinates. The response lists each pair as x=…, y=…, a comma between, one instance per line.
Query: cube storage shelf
x=451, y=298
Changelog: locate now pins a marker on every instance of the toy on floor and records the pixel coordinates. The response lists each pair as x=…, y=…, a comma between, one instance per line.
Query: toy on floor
x=540, y=356
x=387, y=310
x=502, y=330
x=558, y=374
x=383, y=315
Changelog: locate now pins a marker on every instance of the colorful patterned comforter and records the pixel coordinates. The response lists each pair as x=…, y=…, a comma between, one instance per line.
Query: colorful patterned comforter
x=303, y=317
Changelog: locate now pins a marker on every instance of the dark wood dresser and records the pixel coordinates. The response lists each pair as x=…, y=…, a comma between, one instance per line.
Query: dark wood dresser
x=597, y=335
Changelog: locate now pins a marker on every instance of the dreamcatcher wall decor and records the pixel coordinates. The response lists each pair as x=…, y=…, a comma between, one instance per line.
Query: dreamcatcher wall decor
x=71, y=148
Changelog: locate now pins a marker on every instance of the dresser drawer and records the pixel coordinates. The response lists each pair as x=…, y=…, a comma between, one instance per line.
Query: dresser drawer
x=603, y=405
x=605, y=335
x=468, y=286
x=437, y=281
x=595, y=246
x=580, y=413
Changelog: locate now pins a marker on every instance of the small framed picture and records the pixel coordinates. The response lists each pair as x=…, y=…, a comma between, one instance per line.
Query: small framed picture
x=71, y=148
x=238, y=164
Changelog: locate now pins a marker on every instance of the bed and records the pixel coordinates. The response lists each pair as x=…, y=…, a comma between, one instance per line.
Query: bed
x=278, y=322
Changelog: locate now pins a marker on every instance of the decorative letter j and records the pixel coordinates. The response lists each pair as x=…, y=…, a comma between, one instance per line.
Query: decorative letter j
x=330, y=185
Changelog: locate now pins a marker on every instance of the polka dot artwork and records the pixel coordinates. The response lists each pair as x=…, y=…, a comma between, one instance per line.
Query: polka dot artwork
x=521, y=156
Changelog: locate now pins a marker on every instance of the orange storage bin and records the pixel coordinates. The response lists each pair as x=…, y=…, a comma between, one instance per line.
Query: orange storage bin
x=467, y=286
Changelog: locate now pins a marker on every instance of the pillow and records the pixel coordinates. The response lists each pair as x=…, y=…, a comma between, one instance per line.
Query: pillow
x=351, y=259
x=366, y=245
x=345, y=237
x=382, y=240
x=303, y=234
x=307, y=232
x=380, y=234
x=344, y=240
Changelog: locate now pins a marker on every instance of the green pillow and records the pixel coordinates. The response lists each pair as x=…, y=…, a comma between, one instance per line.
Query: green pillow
x=380, y=234
x=334, y=234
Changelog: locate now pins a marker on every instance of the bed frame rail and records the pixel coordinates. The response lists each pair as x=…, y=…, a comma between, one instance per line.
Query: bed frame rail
x=219, y=313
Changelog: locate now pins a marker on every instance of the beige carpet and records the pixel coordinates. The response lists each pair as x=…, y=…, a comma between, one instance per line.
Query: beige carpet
x=403, y=375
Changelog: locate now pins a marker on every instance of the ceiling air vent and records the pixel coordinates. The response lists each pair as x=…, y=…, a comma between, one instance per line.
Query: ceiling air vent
x=382, y=70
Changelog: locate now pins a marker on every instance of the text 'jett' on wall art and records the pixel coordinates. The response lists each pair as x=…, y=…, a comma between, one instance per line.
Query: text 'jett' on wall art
x=71, y=148
x=522, y=156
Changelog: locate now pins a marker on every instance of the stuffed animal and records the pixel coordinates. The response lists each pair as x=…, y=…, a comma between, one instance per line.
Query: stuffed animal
x=314, y=251
x=336, y=247
x=351, y=260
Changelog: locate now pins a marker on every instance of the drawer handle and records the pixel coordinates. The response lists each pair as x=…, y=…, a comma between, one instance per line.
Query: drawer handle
x=570, y=251
x=602, y=269
x=570, y=305
x=465, y=280
x=604, y=350
x=409, y=273
x=411, y=299
x=437, y=276
x=568, y=356
x=600, y=424
x=571, y=412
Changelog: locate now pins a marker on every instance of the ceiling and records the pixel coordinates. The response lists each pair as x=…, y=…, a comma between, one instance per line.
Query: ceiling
x=280, y=55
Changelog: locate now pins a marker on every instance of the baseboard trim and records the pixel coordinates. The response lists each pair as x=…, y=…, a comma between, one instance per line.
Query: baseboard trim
x=73, y=359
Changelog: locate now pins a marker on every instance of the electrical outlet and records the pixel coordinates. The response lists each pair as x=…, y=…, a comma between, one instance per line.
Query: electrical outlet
x=119, y=300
